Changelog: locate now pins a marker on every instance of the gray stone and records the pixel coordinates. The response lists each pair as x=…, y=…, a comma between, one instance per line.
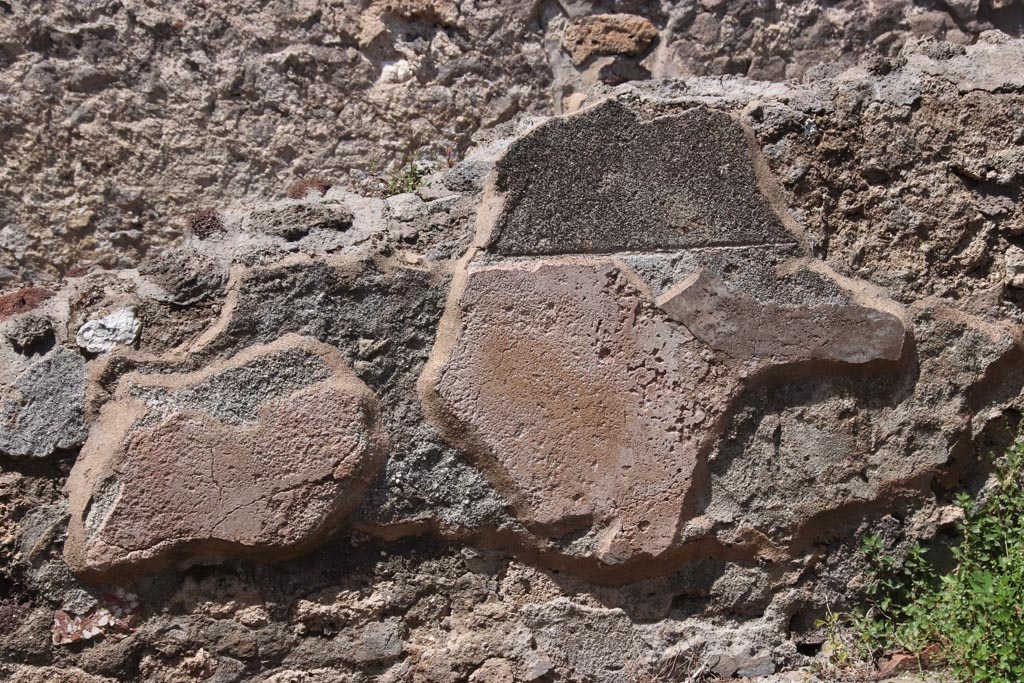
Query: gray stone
x=606, y=180
x=739, y=325
x=965, y=10
x=28, y=332
x=294, y=220
x=470, y=174
x=42, y=413
x=377, y=643
x=183, y=277
x=235, y=395
x=757, y=666
x=406, y=207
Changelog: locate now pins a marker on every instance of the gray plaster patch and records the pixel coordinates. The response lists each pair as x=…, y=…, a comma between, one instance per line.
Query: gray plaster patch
x=235, y=395
x=44, y=410
x=604, y=181
x=758, y=271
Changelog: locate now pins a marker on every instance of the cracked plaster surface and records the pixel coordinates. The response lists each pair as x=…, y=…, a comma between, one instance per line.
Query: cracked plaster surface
x=175, y=471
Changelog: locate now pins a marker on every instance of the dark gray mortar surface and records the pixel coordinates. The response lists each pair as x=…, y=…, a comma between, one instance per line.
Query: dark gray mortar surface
x=605, y=181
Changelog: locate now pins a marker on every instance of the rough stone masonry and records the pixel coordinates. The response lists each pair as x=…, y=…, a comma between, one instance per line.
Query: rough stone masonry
x=120, y=118
x=616, y=395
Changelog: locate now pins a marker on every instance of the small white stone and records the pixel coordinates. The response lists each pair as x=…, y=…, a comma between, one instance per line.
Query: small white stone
x=1015, y=267
x=396, y=72
x=406, y=206
x=120, y=328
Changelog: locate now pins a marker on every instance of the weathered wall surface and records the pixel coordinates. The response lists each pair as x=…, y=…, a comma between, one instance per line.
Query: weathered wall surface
x=120, y=119
x=615, y=395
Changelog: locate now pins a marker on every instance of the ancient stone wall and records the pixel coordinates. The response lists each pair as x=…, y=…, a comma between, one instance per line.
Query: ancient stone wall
x=120, y=119
x=614, y=396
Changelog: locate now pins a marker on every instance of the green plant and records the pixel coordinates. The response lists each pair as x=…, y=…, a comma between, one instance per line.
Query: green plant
x=899, y=594
x=407, y=178
x=981, y=604
x=971, y=619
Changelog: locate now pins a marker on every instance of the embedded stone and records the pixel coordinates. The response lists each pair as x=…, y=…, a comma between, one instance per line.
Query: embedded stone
x=23, y=300
x=182, y=277
x=120, y=328
x=965, y=10
x=293, y=220
x=605, y=180
x=768, y=333
x=259, y=456
x=591, y=388
x=587, y=404
x=43, y=411
x=591, y=407
x=30, y=333
x=608, y=34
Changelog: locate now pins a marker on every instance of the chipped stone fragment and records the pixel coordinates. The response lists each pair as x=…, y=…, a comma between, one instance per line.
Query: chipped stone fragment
x=43, y=412
x=120, y=328
x=767, y=333
x=258, y=456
